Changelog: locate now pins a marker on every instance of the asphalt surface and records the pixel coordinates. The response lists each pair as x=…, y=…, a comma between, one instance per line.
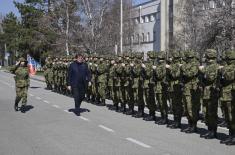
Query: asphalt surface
x=49, y=129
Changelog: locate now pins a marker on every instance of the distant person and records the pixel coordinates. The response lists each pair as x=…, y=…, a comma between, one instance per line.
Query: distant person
x=21, y=83
x=78, y=79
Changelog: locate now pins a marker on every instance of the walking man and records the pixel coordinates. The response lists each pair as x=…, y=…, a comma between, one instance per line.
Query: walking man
x=78, y=77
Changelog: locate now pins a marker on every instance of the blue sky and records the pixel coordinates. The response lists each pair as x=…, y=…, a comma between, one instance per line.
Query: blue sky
x=7, y=6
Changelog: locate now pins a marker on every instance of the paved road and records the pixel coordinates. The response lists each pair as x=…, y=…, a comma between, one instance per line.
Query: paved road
x=49, y=129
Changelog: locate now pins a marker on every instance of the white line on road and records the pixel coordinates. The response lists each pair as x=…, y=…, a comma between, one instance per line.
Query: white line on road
x=106, y=128
x=38, y=98
x=138, y=142
x=31, y=94
x=46, y=101
x=84, y=118
x=56, y=106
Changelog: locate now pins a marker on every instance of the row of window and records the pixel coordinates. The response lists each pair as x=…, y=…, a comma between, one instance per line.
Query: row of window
x=142, y=38
x=147, y=18
x=213, y=4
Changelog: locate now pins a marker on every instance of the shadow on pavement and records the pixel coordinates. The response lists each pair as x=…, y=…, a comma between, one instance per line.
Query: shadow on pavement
x=35, y=87
x=26, y=108
x=77, y=112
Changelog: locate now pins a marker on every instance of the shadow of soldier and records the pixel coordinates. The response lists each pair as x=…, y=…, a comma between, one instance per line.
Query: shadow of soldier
x=26, y=108
x=77, y=112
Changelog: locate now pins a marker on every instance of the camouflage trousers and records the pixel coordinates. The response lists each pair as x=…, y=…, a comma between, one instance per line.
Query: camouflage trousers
x=192, y=106
x=211, y=112
x=162, y=102
x=21, y=94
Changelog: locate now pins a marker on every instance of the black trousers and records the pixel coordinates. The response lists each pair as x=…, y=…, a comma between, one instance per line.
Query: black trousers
x=78, y=95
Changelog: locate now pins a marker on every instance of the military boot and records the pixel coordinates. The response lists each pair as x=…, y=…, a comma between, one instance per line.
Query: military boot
x=140, y=112
x=212, y=134
x=231, y=141
x=228, y=139
x=163, y=121
x=177, y=123
x=207, y=133
x=192, y=129
x=102, y=102
x=16, y=104
x=190, y=125
x=151, y=117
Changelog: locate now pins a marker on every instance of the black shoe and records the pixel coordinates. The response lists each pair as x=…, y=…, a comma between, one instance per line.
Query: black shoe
x=211, y=135
x=170, y=125
x=139, y=115
x=130, y=112
x=16, y=107
x=176, y=126
x=186, y=129
x=23, y=109
x=163, y=122
x=192, y=130
x=226, y=140
x=231, y=142
x=204, y=135
x=150, y=118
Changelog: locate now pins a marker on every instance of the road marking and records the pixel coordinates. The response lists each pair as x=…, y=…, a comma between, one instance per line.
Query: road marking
x=56, y=106
x=84, y=118
x=138, y=142
x=106, y=128
x=31, y=94
x=38, y=98
x=46, y=101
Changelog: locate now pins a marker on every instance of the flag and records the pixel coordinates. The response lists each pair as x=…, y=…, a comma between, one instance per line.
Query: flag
x=31, y=65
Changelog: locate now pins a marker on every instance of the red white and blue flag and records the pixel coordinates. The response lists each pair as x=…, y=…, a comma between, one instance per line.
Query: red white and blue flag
x=31, y=65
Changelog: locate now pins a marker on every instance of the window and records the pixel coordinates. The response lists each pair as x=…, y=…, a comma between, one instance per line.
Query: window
x=152, y=17
x=148, y=37
x=143, y=37
x=141, y=19
x=212, y=4
x=137, y=20
x=146, y=19
x=132, y=39
x=138, y=38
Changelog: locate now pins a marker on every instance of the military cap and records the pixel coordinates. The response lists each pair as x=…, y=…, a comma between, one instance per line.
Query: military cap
x=211, y=54
x=175, y=54
x=161, y=55
x=230, y=55
x=152, y=54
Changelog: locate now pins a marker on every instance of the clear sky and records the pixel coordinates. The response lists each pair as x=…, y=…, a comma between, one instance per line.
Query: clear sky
x=7, y=6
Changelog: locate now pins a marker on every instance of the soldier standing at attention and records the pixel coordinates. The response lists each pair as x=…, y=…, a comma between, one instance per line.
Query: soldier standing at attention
x=161, y=87
x=211, y=92
x=191, y=93
x=101, y=80
x=175, y=89
x=227, y=95
x=21, y=83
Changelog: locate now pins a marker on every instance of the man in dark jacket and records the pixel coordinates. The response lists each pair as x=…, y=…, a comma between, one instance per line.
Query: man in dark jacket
x=78, y=79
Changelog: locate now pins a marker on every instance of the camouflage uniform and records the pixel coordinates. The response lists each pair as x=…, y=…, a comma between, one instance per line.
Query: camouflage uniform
x=21, y=83
x=211, y=93
x=191, y=94
x=175, y=89
x=228, y=95
x=161, y=88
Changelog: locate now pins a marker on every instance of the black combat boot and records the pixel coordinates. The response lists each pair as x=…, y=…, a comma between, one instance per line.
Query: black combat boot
x=102, y=102
x=212, y=134
x=151, y=117
x=177, y=123
x=192, y=129
x=163, y=121
x=207, y=133
x=232, y=140
x=228, y=139
x=190, y=125
x=16, y=104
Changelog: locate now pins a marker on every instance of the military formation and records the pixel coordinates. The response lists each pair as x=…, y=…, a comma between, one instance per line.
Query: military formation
x=174, y=82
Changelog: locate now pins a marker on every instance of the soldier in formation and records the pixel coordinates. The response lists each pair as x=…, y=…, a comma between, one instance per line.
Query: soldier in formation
x=165, y=82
